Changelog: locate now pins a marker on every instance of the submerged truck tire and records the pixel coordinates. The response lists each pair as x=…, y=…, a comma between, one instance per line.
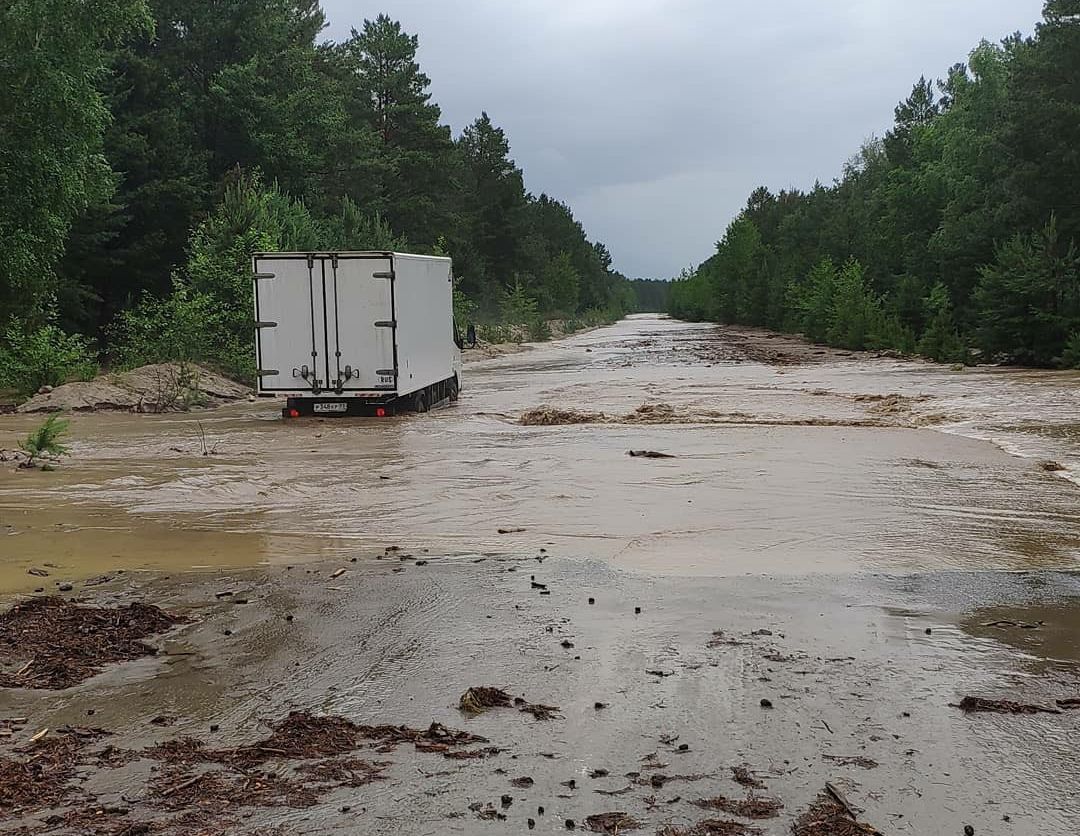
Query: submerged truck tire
x=358, y=333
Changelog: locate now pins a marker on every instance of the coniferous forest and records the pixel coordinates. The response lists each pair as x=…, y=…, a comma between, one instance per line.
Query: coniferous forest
x=955, y=235
x=147, y=147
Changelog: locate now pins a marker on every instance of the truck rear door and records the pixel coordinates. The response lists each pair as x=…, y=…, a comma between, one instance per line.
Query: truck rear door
x=360, y=317
x=324, y=323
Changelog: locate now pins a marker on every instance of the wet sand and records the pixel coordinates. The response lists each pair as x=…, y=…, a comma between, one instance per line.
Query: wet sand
x=845, y=542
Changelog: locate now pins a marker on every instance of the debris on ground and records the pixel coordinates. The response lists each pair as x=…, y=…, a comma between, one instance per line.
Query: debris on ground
x=1071, y=702
x=1051, y=467
x=852, y=760
x=486, y=812
x=659, y=779
x=540, y=711
x=971, y=705
x=62, y=644
x=744, y=776
x=888, y=404
x=299, y=735
x=479, y=699
x=622, y=791
x=177, y=791
x=345, y=772
x=710, y=827
x=207, y=784
x=550, y=416
x=615, y=822
x=751, y=807
x=435, y=738
x=720, y=640
x=648, y=454
x=831, y=815
x=537, y=710
x=1008, y=622
x=38, y=777
x=302, y=735
x=524, y=782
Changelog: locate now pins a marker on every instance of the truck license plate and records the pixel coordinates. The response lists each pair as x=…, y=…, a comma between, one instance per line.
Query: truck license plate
x=337, y=406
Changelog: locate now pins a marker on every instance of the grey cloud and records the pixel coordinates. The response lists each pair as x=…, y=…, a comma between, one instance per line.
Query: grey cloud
x=654, y=119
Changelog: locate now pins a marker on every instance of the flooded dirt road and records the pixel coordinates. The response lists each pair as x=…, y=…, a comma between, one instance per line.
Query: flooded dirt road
x=859, y=543
x=866, y=486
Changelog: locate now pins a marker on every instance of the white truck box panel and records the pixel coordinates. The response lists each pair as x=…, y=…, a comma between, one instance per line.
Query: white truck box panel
x=423, y=306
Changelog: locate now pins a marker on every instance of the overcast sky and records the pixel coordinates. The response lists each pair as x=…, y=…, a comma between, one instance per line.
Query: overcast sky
x=654, y=119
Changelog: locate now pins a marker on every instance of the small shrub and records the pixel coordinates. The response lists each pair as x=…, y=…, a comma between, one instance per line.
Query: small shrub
x=45, y=441
x=1070, y=357
x=518, y=305
x=539, y=330
x=45, y=356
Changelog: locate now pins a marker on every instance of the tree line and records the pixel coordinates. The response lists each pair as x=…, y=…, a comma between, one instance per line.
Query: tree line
x=954, y=236
x=147, y=147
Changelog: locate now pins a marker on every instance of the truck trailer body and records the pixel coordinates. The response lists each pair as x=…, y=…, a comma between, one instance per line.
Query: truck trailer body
x=355, y=333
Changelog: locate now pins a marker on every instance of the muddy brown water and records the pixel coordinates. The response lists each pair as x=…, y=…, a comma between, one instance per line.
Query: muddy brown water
x=750, y=491
x=782, y=511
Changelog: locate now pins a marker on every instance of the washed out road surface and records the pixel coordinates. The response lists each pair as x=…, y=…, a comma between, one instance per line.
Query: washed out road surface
x=838, y=551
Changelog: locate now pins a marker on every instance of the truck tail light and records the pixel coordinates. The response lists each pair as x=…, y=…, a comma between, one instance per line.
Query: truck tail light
x=294, y=413
x=380, y=412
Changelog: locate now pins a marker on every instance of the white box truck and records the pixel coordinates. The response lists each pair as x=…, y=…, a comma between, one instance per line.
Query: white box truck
x=360, y=333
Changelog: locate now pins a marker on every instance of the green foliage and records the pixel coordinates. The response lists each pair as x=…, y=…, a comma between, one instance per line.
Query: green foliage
x=518, y=305
x=130, y=140
x=186, y=326
x=985, y=155
x=465, y=309
x=811, y=301
x=649, y=295
x=941, y=340
x=560, y=283
x=45, y=356
x=496, y=333
x=1029, y=298
x=539, y=330
x=352, y=229
x=856, y=320
x=1070, y=357
x=52, y=120
x=45, y=440
x=208, y=317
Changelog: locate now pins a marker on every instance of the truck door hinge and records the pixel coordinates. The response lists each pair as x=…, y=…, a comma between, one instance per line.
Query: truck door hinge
x=265, y=325
x=382, y=275
x=267, y=372
x=386, y=323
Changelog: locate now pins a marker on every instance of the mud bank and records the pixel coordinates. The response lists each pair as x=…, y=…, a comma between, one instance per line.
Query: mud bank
x=163, y=387
x=672, y=700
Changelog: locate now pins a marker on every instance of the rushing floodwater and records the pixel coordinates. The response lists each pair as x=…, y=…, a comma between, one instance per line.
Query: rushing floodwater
x=781, y=469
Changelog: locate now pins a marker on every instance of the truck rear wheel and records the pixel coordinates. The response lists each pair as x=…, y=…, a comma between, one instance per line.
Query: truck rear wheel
x=452, y=388
x=420, y=401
